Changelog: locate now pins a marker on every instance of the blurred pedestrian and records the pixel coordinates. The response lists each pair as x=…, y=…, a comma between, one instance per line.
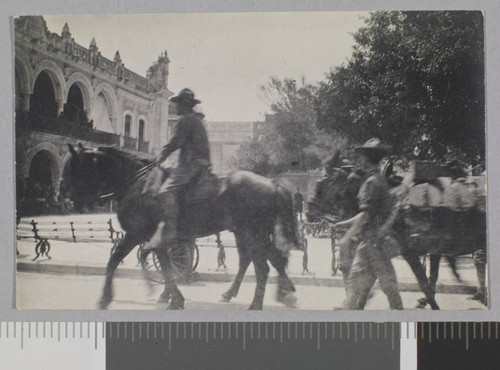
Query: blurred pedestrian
x=370, y=260
x=298, y=203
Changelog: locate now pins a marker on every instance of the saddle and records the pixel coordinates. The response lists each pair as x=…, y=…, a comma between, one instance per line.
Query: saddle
x=199, y=211
x=204, y=188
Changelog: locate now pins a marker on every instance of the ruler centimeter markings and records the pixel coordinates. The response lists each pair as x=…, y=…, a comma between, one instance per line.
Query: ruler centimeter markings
x=282, y=331
x=253, y=337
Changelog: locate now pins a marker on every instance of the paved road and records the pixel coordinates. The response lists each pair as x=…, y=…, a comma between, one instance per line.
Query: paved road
x=83, y=265
x=48, y=291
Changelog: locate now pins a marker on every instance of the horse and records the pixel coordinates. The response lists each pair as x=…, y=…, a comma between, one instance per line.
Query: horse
x=257, y=210
x=449, y=232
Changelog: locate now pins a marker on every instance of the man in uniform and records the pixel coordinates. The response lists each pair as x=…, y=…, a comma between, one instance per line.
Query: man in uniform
x=194, y=157
x=370, y=260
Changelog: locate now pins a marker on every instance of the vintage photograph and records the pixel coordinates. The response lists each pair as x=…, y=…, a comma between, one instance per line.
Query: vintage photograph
x=261, y=161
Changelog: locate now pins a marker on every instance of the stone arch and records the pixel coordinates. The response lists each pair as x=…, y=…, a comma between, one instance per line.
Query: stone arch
x=24, y=72
x=56, y=75
x=42, y=173
x=64, y=179
x=86, y=88
x=54, y=155
x=112, y=102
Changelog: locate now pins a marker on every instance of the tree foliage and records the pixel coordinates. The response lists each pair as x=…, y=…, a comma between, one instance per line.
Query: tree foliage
x=292, y=141
x=415, y=80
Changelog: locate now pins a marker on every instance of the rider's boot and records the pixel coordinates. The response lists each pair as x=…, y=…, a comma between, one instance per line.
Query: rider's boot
x=167, y=231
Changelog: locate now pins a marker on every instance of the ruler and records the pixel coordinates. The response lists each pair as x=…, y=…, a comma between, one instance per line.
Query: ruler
x=249, y=345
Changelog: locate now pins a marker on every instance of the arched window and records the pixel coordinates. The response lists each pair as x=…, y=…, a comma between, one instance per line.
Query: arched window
x=102, y=115
x=43, y=100
x=127, y=127
x=74, y=111
x=142, y=128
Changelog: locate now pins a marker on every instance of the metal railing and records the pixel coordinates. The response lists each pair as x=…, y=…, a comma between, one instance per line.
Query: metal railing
x=130, y=143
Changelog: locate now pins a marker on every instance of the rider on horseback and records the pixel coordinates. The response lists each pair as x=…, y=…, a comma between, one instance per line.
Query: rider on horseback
x=194, y=158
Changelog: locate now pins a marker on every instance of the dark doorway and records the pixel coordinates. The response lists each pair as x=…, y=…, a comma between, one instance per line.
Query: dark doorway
x=73, y=109
x=43, y=100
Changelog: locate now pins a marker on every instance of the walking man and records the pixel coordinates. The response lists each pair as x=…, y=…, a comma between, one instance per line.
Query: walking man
x=370, y=260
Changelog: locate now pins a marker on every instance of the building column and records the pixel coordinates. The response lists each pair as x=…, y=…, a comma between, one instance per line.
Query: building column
x=26, y=98
x=60, y=108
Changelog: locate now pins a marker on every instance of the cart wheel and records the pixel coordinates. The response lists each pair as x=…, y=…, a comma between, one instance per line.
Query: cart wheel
x=183, y=259
x=196, y=257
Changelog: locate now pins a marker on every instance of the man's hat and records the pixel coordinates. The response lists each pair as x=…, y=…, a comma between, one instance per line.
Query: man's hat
x=372, y=146
x=186, y=95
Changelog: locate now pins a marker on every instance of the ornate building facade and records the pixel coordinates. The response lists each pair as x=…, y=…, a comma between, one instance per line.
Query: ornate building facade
x=68, y=94
x=225, y=139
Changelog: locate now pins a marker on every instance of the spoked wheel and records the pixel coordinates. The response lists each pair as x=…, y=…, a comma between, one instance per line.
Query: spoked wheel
x=184, y=260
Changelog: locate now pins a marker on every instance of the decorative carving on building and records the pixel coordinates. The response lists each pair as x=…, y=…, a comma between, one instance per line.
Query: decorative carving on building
x=119, y=65
x=157, y=74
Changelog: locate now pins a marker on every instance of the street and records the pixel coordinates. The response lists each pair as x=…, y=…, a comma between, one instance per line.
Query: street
x=74, y=276
x=51, y=291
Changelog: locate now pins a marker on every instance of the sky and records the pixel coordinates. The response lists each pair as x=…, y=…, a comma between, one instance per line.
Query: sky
x=223, y=57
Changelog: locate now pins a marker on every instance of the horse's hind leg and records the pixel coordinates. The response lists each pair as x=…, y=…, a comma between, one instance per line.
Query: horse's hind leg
x=285, y=285
x=245, y=260
x=121, y=251
x=177, y=300
x=259, y=257
x=261, y=272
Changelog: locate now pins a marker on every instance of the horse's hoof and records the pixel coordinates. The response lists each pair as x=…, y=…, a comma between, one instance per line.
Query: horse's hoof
x=225, y=297
x=176, y=305
x=289, y=300
x=420, y=305
x=164, y=298
x=104, y=303
x=255, y=307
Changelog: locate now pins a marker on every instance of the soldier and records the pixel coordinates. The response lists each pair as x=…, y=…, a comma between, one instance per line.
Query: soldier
x=370, y=260
x=192, y=141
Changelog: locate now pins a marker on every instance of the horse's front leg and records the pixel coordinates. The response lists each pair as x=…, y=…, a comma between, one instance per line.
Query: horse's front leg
x=245, y=260
x=170, y=290
x=122, y=249
x=259, y=258
x=419, y=272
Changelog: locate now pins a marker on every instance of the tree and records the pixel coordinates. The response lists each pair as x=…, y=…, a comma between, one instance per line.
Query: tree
x=416, y=81
x=293, y=120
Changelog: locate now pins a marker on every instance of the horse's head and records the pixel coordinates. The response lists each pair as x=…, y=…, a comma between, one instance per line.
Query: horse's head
x=330, y=196
x=92, y=173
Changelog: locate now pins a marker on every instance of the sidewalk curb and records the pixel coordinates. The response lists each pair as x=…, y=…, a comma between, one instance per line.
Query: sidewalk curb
x=311, y=280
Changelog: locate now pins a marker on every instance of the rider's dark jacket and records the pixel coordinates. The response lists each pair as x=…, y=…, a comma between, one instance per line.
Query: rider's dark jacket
x=191, y=139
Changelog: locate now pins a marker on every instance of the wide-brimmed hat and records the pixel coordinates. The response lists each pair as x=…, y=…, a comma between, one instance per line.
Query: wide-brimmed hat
x=372, y=146
x=186, y=95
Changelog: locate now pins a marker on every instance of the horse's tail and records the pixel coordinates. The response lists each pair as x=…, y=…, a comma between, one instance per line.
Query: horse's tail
x=286, y=233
